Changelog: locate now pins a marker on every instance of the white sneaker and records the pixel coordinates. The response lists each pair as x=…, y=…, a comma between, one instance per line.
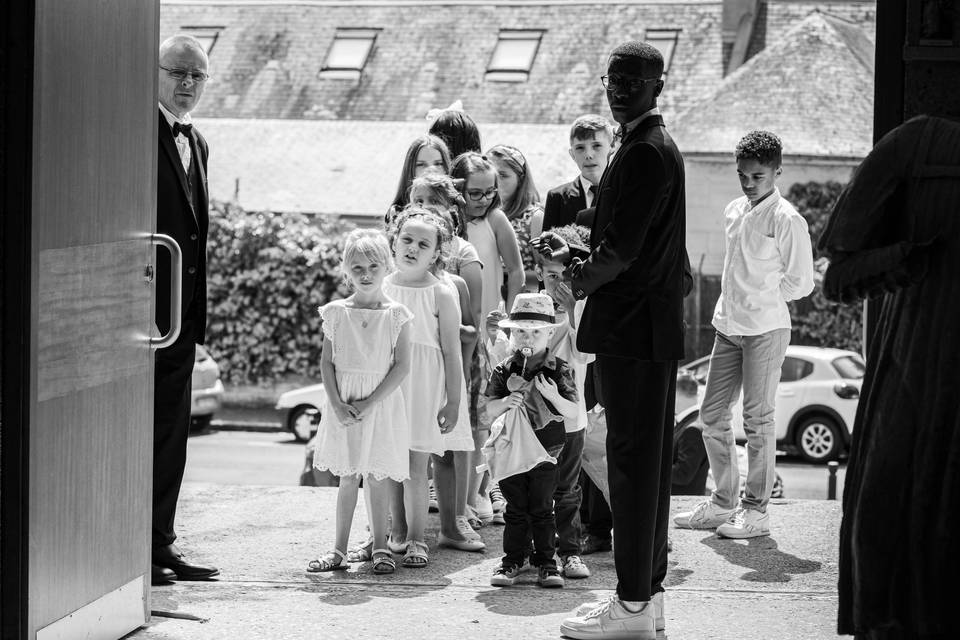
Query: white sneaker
x=745, y=523
x=496, y=498
x=466, y=530
x=573, y=567
x=432, y=505
x=609, y=620
x=484, y=510
x=659, y=622
x=705, y=515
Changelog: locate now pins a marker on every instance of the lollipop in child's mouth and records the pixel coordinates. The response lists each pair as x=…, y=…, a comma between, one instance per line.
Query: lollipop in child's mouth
x=526, y=352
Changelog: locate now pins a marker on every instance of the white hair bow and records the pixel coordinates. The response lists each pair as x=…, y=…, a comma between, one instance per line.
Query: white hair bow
x=433, y=114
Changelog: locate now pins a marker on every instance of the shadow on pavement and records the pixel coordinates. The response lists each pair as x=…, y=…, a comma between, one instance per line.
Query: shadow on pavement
x=762, y=556
x=359, y=587
x=526, y=599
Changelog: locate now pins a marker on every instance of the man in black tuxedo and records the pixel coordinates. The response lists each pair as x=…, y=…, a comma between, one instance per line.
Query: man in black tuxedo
x=634, y=279
x=181, y=214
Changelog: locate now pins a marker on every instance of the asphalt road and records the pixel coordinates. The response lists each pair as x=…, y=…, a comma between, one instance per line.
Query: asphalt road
x=275, y=458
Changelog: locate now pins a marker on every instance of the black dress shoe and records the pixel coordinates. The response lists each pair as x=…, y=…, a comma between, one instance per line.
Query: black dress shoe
x=169, y=557
x=161, y=575
x=593, y=544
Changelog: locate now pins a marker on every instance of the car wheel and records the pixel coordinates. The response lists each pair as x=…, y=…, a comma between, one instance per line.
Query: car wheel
x=818, y=439
x=302, y=421
x=200, y=423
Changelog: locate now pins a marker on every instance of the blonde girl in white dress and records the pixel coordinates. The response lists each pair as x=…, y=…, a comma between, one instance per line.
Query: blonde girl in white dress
x=364, y=433
x=434, y=390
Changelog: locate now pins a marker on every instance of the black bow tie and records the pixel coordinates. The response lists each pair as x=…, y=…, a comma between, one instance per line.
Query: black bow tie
x=185, y=129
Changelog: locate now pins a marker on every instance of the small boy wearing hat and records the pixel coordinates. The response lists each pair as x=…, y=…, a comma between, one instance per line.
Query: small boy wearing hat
x=542, y=386
x=563, y=343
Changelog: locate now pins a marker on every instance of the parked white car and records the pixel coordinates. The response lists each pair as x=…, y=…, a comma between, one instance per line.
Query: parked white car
x=304, y=407
x=816, y=400
x=206, y=389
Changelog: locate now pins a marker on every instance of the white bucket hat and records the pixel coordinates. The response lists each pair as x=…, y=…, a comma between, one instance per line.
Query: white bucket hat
x=531, y=311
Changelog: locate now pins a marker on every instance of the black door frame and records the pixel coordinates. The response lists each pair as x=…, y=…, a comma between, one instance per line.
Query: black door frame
x=16, y=126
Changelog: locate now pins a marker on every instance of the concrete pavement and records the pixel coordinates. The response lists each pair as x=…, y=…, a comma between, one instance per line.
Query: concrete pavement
x=780, y=587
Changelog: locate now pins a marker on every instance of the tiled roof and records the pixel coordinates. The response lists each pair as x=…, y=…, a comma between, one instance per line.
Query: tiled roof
x=812, y=86
x=775, y=17
x=268, y=54
x=346, y=167
x=782, y=15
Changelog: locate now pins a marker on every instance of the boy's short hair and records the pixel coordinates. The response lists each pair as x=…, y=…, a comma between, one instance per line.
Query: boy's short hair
x=576, y=236
x=588, y=126
x=762, y=146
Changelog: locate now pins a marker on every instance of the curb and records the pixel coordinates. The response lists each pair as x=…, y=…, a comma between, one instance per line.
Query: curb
x=261, y=427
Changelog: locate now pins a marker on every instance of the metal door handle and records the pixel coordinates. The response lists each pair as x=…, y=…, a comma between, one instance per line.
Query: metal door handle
x=176, y=290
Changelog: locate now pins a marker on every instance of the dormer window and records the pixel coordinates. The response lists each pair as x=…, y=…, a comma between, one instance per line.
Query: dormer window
x=206, y=35
x=665, y=40
x=349, y=53
x=514, y=54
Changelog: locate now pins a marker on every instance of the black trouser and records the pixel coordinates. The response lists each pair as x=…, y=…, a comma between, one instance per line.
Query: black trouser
x=638, y=396
x=171, y=427
x=595, y=515
x=529, y=499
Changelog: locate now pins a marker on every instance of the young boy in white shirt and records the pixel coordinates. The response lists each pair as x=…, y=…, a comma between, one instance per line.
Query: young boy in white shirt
x=563, y=344
x=768, y=262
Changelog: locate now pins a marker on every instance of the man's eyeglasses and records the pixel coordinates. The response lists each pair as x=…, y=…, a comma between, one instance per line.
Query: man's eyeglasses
x=613, y=83
x=477, y=195
x=182, y=74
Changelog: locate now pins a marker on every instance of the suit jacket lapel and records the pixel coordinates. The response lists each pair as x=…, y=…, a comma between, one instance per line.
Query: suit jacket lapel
x=647, y=123
x=197, y=161
x=173, y=155
x=578, y=193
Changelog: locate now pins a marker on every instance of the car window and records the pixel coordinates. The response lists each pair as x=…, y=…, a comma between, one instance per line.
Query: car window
x=850, y=367
x=794, y=369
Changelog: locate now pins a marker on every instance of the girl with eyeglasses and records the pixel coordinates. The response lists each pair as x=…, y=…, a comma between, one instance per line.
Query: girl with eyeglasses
x=489, y=230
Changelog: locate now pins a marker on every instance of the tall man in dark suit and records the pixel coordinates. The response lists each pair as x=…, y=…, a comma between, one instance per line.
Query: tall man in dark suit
x=634, y=279
x=182, y=214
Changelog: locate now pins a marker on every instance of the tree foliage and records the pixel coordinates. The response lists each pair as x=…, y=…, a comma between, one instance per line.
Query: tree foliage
x=816, y=320
x=267, y=274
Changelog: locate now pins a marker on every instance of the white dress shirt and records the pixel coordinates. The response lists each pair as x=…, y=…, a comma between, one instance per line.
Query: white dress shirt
x=183, y=145
x=627, y=127
x=769, y=261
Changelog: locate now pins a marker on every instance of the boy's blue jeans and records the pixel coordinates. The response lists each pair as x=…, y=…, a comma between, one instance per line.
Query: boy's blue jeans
x=752, y=363
x=566, y=497
x=529, y=499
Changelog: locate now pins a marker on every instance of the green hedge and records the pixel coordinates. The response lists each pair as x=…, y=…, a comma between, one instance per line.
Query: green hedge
x=816, y=320
x=266, y=275
x=268, y=272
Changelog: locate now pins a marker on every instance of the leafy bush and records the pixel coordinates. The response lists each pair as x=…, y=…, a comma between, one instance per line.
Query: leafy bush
x=816, y=320
x=266, y=275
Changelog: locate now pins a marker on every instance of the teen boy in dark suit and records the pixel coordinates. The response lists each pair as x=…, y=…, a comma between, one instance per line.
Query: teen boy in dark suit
x=634, y=280
x=590, y=139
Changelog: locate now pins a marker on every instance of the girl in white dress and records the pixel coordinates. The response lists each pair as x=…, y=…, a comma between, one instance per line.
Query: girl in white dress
x=489, y=230
x=439, y=193
x=433, y=392
x=364, y=433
